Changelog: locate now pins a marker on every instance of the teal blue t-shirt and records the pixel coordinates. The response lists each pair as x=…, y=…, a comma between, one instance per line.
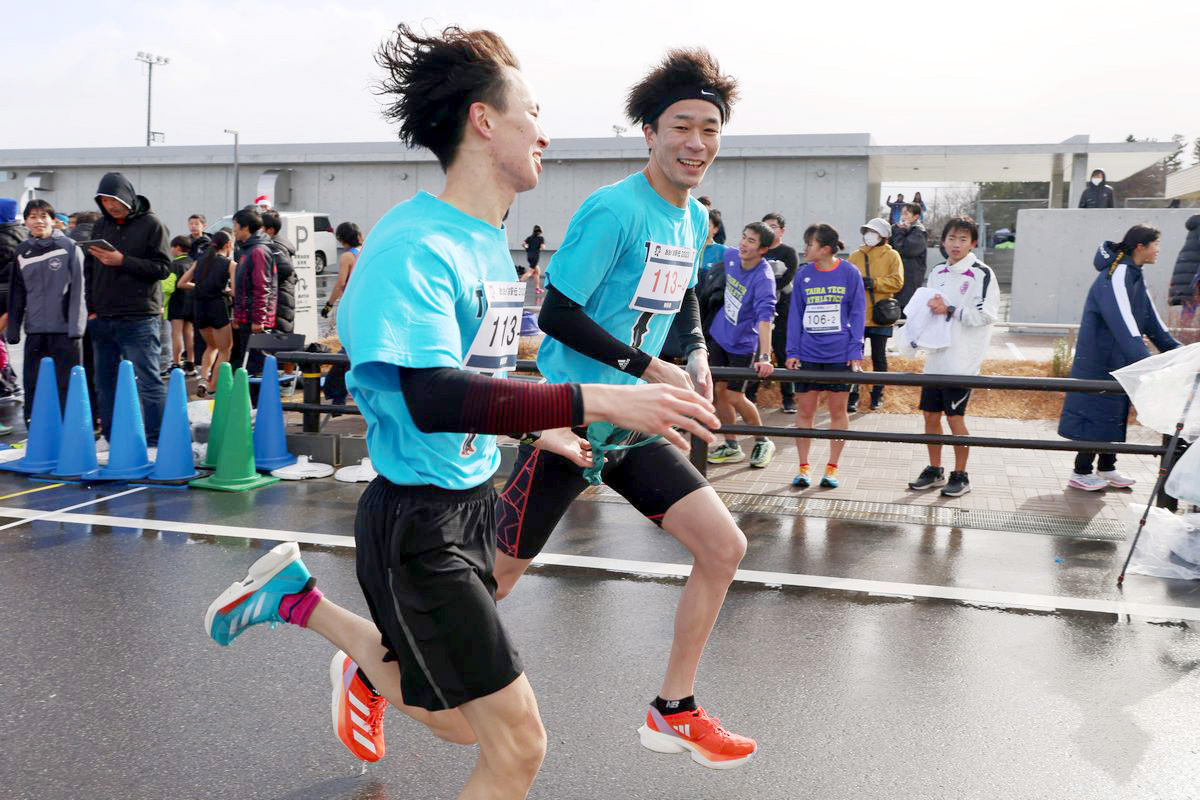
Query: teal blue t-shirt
x=627, y=257
x=418, y=299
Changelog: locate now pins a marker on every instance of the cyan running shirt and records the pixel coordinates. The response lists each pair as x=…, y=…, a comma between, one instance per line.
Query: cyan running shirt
x=627, y=258
x=434, y=287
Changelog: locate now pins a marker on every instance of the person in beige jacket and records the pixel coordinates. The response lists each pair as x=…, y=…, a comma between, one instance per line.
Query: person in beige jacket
x=883, y=276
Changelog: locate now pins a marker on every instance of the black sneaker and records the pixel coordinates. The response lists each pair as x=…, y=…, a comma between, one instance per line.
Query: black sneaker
x=928, y=479
x=789, y=405
x=876, y=400
x=959, y=485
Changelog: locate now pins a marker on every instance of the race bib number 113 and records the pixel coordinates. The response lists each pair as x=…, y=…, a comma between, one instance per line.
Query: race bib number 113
x=664, y=279
x=494, y=347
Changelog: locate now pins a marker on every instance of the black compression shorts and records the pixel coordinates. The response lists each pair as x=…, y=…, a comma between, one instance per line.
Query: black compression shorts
x=652, y=478
x=425, y=558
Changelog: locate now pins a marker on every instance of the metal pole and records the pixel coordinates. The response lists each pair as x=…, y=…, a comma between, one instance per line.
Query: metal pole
x=237, y=169
x=149, y=85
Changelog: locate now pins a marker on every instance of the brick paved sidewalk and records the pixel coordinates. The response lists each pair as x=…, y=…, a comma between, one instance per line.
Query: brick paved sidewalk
x=1033, y=482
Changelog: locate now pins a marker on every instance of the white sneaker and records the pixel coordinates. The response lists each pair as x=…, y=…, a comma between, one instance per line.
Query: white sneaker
x=1116, y=479
x=1088, y=483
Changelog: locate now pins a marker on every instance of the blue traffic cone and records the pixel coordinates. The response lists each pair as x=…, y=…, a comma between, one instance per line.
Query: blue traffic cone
x=45, y=427
x=77, y=446
x=270, y=442
x=175, y=461
x=127, y=454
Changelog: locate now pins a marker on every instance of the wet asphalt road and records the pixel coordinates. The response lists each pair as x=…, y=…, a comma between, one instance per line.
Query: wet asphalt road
x=109, y=687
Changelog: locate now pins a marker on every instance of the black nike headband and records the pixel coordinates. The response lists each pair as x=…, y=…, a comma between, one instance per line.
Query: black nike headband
x=691, y=92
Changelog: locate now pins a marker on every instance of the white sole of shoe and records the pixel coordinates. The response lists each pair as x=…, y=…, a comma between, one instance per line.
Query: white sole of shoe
x=335, y=701
x=1088, y=488
x=661, y=743
x=261, y=571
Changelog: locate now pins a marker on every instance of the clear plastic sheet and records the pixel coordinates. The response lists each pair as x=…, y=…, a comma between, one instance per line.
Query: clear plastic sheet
x=1169, y=546
x=1159, y=387
x=1184, y=481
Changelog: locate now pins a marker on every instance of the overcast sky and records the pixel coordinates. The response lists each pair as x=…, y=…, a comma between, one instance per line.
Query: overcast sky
x=919, y=73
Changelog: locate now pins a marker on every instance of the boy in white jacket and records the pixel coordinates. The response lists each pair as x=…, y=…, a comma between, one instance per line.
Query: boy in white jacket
x=966, y=293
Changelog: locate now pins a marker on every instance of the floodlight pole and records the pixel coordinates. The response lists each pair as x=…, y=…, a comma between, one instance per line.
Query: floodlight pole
x=236, y=167
x=150, y=60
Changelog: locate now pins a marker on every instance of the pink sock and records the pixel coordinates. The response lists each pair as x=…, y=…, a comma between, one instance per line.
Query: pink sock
x=296, y=608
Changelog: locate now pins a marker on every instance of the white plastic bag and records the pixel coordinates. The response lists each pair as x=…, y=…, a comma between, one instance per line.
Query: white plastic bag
x=1169, y=546
x=1159, y=386
x=1184, y=481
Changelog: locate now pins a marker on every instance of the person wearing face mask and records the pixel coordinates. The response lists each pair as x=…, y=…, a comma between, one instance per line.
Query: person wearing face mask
x=1098, y=194
x=883, y=276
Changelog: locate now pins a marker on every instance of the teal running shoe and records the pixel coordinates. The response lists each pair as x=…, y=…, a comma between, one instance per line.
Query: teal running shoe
x=256, y=598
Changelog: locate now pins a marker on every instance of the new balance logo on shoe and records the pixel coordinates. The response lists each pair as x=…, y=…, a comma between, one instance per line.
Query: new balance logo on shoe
x=685, y=729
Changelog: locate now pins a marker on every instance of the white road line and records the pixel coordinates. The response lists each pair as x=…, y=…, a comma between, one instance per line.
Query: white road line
x=37, y=515
x=1016, y=351
x=981, y=597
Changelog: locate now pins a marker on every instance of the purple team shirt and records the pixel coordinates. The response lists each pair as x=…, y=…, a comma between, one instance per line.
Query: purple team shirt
x=828, y=313
x=749, y=300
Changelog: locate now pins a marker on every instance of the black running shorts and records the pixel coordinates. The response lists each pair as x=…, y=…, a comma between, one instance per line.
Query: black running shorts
x=425, y=558
x=823, y=387
x=718, y=356
x=652, y=478
x=949, y=400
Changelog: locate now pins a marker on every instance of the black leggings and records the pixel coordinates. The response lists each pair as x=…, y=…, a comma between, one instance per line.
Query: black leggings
x=1106, y=462
x=879, y=342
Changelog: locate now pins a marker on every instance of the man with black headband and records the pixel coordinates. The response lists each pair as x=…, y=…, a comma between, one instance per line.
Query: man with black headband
x=628, y=264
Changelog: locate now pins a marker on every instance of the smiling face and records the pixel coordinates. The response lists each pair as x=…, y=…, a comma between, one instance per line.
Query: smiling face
x=40, y=223
x=750, y=249
x=517, y=138
x=686, y=142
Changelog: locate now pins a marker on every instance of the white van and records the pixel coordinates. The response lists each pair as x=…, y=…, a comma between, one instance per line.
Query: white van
x=324, y=242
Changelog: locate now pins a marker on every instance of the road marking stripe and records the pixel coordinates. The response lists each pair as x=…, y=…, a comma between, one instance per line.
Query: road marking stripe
x=983, y=597
x=31, y=491
x=39, y=515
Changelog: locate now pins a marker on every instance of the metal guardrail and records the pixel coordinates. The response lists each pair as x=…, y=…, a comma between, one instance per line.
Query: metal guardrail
x=313, y=408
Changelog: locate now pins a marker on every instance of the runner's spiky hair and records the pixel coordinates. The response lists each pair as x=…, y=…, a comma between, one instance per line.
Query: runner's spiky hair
x=680, y=70
x=434, y=80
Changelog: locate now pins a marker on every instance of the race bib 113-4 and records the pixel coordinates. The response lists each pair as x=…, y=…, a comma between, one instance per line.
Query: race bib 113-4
x=665, y=278
x=494, y=347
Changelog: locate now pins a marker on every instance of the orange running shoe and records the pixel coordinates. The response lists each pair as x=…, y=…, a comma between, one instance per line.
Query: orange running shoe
x=696, y=732
x=357, y=711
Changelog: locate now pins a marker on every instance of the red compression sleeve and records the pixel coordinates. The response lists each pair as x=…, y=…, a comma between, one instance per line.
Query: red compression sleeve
x=444, y=400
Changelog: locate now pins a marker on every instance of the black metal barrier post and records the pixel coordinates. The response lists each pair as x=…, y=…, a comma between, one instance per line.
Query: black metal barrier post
x=312, y=408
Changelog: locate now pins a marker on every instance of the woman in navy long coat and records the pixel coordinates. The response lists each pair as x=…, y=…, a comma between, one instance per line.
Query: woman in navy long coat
x=1118, y=312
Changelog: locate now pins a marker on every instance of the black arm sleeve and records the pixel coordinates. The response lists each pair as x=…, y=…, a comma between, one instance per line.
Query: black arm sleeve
x=448, y=400
x=565, y=320
x=691, y=334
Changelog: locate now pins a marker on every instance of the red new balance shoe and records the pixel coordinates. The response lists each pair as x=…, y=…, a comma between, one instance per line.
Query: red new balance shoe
x=357, y=711
x=698, y=733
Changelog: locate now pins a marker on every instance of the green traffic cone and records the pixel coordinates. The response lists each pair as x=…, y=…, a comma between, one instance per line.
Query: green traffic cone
x=216, y=431
x=235, y=465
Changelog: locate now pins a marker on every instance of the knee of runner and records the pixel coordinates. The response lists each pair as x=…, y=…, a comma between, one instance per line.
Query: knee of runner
x=725, y=555
x=525, y=746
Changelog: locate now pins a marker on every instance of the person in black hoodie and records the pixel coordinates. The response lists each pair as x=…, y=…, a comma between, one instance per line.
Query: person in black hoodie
x=284, y=250
x=124, y=298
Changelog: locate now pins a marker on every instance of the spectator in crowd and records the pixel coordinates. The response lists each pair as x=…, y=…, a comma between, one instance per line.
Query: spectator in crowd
x=1117, y=313
x=1187, y=265
x=825, y=333
x=180, y=307
x=262, y=204
x=965, y=292
x=1098, y=194
x=534, y=243
x=707, y=203
x=285, y=252
x=12, y=233
x=85, y=221
x=714, y=251
x=200, y=239
x=46, y=295
x=894, y=208
x=349, y=237
x=209, y=279
x=883, y=276
x=164, y=330
x=255, y=284
x=784, y=261
x=741, y=331
x=710, y=287
x=911, y=241
x=124, y=298
x=919, y=203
